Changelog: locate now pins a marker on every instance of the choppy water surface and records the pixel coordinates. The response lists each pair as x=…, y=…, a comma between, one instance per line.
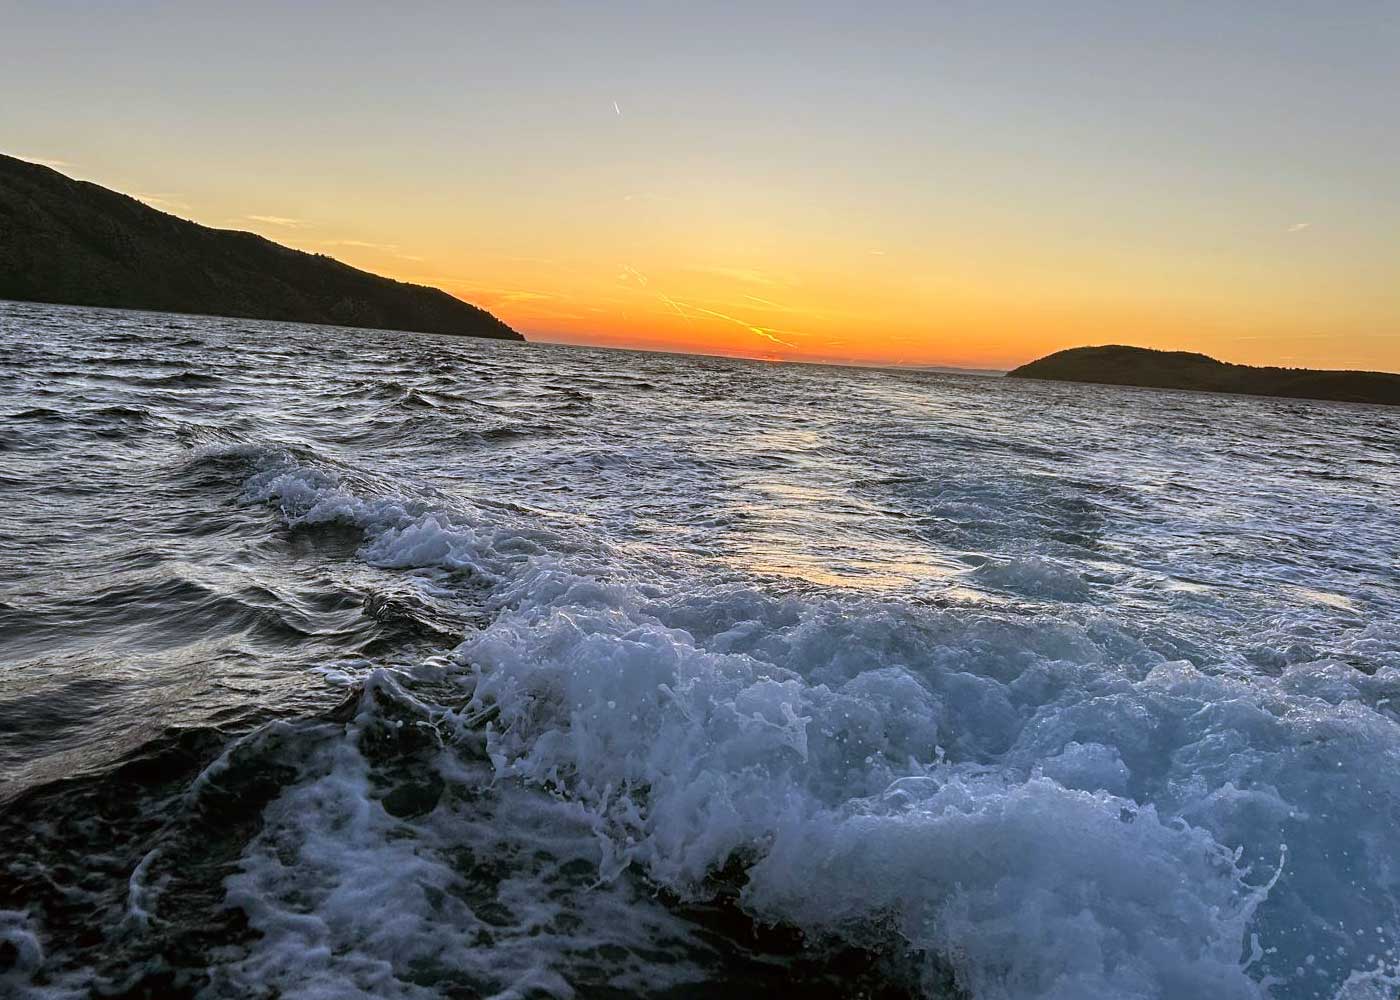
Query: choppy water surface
x=339, y=663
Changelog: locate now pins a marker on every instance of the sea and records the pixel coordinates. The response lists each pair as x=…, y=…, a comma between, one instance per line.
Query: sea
x=344, y=663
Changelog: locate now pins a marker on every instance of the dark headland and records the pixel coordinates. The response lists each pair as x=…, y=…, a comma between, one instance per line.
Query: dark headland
x=1139, y=366
x=75, y=243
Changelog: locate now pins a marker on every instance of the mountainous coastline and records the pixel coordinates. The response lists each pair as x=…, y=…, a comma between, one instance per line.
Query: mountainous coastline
x=1139, y=366
x=75, y=243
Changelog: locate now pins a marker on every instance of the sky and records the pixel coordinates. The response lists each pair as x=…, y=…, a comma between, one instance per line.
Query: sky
x=953, y=183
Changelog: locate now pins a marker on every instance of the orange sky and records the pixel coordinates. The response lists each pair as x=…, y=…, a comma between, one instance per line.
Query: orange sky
x=937, y=185
x=948, y=301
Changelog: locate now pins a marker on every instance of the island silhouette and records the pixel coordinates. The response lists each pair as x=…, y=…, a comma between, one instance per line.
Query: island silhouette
x=1139, y=366
x=72, y=242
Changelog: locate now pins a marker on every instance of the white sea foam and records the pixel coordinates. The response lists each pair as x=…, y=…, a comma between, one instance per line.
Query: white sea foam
x=488, y=891
x=1048, y=807
x=17, y=934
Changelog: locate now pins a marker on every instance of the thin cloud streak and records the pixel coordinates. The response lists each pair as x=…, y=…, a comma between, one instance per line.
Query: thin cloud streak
x=392, y=249
x=43, y=162
x=163, y=202
x=672, y=303
x=768, y=333
x=630, y=272
x=278, y=220
x=762, y=331
x=363, y=244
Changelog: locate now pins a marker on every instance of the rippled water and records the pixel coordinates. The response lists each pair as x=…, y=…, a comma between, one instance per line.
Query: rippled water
x=340, y=663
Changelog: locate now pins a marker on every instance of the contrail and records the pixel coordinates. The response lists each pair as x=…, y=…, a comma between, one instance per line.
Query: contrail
x=768, y=302
x=672, y=303
x=761, y=331
x=644, y=281
x=617, y=109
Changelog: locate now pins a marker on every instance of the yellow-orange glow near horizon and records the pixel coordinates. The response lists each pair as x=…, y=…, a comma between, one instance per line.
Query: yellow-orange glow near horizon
x=955, y=184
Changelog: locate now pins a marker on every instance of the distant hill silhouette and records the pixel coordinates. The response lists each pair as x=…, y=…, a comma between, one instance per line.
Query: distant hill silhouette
x=1139, y=366
x=76, y=243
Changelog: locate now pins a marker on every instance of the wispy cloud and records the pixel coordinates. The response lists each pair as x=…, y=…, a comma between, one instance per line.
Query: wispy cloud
x=767, y=333
x=278, y=220
x=363, y=244
x=631, y=274
x=525, y=305
x=689, y=310
x=43, y=162
x=768, y=305
x=164, y=202
x=490, y=295
x=675, y=306
x=771, y=304
x=1298, y=227
x=617, y=109
x=392, y=249
x=515, y=295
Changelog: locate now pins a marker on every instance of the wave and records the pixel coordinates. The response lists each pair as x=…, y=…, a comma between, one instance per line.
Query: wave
x=1032, y=807
x=179, y=379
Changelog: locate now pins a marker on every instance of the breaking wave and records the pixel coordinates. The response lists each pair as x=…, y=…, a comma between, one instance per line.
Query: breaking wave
x=1038, y=809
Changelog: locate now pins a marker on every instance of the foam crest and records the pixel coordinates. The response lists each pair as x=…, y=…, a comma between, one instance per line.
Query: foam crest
x=391, y=868
x=1048, y=808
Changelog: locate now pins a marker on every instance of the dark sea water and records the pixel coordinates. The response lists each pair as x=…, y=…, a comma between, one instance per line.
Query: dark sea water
x=341, y=663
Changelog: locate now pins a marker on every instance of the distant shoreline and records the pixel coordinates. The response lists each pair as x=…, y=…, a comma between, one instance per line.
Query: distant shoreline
x=1149, y=369
x=250, y=319
x=74, y=243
